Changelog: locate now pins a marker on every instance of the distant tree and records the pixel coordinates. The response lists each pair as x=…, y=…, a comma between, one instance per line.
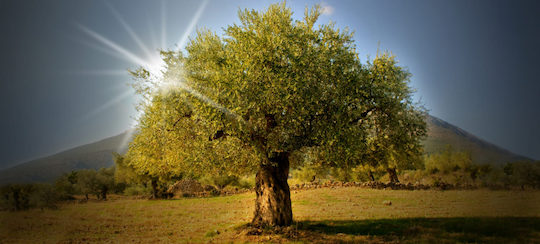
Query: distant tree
x=270, y=88
x=105, y=182
x=448, y=161
x=44, y=196
x=478, y=171
x=523, y=174
x=86, y=182
x=396, y=124
x=222, y=181
x=65, y=185
x=17, y=197
x=98, y=183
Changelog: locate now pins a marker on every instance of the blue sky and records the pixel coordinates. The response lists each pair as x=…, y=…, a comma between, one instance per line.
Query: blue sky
x=63, y=79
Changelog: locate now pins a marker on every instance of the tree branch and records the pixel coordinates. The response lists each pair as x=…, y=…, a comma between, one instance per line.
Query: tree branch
x=188, y=115
x=363, y=115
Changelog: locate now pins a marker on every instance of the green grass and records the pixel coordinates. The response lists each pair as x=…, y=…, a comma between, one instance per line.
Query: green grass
x=321, y=215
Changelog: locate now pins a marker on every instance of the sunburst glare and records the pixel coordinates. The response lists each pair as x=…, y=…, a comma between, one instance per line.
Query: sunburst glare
x=191, y=26
x=151, y=60
x=129, y=30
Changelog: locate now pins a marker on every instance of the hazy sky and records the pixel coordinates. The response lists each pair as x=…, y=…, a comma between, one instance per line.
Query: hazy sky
x=63, y=78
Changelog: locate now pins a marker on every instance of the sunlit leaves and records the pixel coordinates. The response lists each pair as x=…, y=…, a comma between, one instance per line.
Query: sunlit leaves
x=271, y=84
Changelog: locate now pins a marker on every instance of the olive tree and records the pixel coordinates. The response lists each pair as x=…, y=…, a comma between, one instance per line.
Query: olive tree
x=95, y=182
x=246, y=101
x=398, y=124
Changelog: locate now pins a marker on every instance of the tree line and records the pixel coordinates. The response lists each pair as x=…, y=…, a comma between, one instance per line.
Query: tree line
x=83, y=185
x=98, y=183
x=448, y=167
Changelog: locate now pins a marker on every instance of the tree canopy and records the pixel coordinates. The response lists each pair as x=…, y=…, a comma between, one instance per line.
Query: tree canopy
x=269, y=87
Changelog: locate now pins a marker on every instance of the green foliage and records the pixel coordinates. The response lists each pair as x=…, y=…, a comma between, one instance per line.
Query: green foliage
x=86, y=182
x=124, y=172
x=171, y=144
x=308, y=174
x=458, y=165
x=448, y=161
x=397, y=125
x=137, y=190
x=25, y=196
x=16, y=197
x=44, y=196
x=279, y=85
x=98, y=183
x=246, y=183
x=523, y=174
x=65, y=185
x=224, y=180
x=273, y=85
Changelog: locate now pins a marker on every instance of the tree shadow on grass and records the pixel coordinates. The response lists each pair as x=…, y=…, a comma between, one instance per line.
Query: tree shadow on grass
x=462, y=229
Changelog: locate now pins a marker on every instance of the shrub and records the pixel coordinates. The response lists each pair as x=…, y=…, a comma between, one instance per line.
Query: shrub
x=44, y=196
x=308, y=173
x=222, y=181
x=523, y=174
x=137, y=190
x=65, y=185
x=448, y=161
x=17, y=197
x=245, y=183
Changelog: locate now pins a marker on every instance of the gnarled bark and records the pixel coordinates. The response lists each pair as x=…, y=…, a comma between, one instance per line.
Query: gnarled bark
x=273, y=203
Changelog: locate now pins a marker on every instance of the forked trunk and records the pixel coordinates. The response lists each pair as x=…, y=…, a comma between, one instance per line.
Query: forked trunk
x=393, y=175
x=273, y=203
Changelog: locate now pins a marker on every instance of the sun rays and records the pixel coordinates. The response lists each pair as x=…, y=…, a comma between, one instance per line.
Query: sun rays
x=150, y=60
x=182, y=42
x=129, y=30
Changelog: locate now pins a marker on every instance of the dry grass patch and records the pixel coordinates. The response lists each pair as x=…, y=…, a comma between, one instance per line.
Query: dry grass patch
x=321, y=215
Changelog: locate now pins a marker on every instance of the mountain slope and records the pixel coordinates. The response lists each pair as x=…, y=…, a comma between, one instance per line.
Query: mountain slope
x=99, y=154
x=442, y=133
x=90, y=156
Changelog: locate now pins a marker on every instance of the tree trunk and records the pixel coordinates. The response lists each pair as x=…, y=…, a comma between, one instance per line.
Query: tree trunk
x=371, y=176
x=17, y=200
x=273, y=203
x=154, y=189
x=393, y=175
x=104, y=193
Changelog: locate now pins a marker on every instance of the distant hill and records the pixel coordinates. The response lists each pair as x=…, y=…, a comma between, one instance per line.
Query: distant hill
x=99, y=154
x=442, y=133
x=90, y=156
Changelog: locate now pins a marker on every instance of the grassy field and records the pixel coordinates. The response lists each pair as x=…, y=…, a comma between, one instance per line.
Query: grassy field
x=321, y=215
